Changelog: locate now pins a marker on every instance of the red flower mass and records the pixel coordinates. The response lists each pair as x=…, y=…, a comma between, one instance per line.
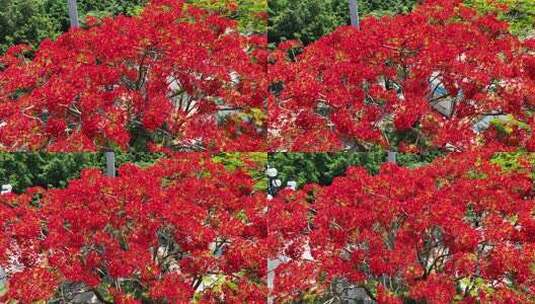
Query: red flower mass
x=180, y=228
x=417, y=81
x=459, y=229
x=175, y=77
x=186, y=229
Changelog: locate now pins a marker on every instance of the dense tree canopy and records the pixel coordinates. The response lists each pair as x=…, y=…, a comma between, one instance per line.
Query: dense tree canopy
x=173, y=78
x=182, y=229
x=457, y=230
x=53, y=170
x=31, y=21
x=24, y=22
x=414, y=82
x=251, y=14
x=520, y=14
x=309, y=20
x=321, y=168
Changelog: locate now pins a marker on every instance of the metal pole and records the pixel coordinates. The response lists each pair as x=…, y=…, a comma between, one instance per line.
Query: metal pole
x=73, y=13
x=392, y=157
x=110, y=164
x=6, y=189
x=354, y=13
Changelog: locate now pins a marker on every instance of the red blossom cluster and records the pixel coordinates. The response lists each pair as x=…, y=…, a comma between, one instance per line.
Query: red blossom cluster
x=458, y=230
x=186, y=229
x=412, y=82
x=182, y=228
x=175, y=76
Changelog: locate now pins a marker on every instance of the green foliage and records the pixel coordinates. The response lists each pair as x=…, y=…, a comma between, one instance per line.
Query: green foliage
x=520, y=14
x=417, y=160
x=305, y=20
x=31, y=21
x=383, y=7
x=321, y=168
x=57, y=10
x=308, y=20
x=254, y=164
x=23, y=170
x=250, y=14
x=142, y=159
x=511, y=161
x=54, y=170
x=24, y=21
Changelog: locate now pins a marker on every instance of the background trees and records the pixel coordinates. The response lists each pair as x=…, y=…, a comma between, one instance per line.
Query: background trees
x=31, y=21
x=251, y=14
x=309, y=20
x=24, y=21
x=322, y=168
x=55, y=170
x=520, y=14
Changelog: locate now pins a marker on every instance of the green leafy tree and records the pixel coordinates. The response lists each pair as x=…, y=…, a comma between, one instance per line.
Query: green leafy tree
x=23, y=170
x=31, y=21
x=308, y=20
x=305, y=20
x=254, y=164
x=512, y=161
x=54, y=170
x=250, y=14
x=321, y=168
x=520, y=14
x=57, y=10
x=24, y=21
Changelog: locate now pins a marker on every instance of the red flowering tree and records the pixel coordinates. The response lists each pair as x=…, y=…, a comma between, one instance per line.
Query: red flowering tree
x=184, y=228
x=459, y=230
x=174, y=77
x=411, y=82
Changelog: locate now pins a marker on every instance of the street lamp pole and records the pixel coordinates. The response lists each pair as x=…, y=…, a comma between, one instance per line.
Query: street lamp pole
x=110, y=163
x=6, y=189
x=354, y=13
x=73, y=13
x=274, y=185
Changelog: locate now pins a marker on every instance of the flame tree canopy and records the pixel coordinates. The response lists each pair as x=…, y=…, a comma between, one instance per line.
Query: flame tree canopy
x=459, y=230
x=181, y=229
x=441, y=76
x=174, y=77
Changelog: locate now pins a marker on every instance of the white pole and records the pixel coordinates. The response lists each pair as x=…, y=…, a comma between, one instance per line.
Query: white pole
x=73, y=13
x=6, y=189
x=110, y=164
x=354, y=13
x=392, y=157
